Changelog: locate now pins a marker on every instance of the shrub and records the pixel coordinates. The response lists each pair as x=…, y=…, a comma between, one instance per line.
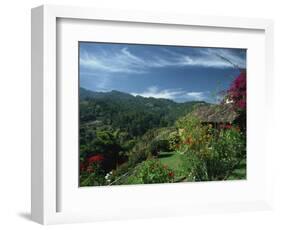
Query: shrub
x=195, y=168
x=159, y=145
x=138, y=154
x=209, y=154
x=174, y=140
x=93, y=175
x=193, y=135
x=224, y=153
x=152, y=171
x=238, y=91
x=237, y=95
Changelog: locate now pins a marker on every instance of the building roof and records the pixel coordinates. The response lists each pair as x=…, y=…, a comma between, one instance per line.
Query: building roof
x=223, y=113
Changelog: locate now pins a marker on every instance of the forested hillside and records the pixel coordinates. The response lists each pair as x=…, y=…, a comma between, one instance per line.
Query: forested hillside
x=127, y=139
x=119, y=126
x=135, y=115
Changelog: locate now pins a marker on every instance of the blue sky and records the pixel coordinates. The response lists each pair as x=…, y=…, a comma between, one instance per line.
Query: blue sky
x=172, y=72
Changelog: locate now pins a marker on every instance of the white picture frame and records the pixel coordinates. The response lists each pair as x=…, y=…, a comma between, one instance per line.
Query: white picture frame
x=45, y=168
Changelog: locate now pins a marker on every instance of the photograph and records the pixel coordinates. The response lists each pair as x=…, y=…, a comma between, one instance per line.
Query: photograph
x=151, y=113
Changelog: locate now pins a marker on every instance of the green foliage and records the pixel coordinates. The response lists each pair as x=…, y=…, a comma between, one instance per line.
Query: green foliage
x=194, y=167
x=134, y=115
x=93, y=176
x=122, y=169
x=226, y=153
x=174, y=161
x=174, y=140
x=149, y=144
x=143, y=140
x=138, y=154
x=210, y=154
x=106, y=143
x=193, y=135
x=159, y=145
x=121, y=127
x=152, y=171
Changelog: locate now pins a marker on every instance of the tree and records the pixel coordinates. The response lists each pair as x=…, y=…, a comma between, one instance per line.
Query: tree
x=106, y=143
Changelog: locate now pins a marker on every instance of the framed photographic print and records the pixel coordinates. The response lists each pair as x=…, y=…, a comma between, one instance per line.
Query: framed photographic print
x=143, y=114
x=161, y=114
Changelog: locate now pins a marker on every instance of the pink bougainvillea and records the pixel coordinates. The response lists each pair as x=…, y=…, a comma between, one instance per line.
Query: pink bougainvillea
x=237, y=91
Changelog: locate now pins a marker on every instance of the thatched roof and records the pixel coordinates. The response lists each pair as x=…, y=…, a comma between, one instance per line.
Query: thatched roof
x=215, y=113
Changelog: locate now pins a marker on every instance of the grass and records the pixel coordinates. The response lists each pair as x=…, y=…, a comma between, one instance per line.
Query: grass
x=172, y=160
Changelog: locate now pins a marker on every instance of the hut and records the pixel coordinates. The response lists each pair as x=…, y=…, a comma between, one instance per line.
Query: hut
x=216, y=115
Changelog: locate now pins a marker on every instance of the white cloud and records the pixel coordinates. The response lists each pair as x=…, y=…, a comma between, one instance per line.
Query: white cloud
x=172, y=94
x=100, y=82
x=121, y=62
x=198, y=96
x=223, y=57
x=153, y=91
x=124, y=61
x=213, y=58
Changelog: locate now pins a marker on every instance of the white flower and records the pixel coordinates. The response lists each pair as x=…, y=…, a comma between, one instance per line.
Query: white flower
x=107, y=176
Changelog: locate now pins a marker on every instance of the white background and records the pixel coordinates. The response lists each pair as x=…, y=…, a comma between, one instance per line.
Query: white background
x=15, y=113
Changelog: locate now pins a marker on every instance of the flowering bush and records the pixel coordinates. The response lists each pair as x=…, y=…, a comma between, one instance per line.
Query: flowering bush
x=237, y=95
x=225, y=152
x=209, y=153
x=92, y=176
x=95, y=159
x=91, y=172
x=237, y=91
x=152, y=171
x=193, y=135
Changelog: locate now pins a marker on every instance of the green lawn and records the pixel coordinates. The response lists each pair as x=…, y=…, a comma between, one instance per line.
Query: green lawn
x=172, y=160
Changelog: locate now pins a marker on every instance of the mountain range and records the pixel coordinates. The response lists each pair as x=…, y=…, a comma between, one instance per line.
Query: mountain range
x=134, y=114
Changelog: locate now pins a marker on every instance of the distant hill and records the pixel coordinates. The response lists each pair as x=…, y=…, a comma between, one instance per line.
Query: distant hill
x=86, y=94
x=134, y=114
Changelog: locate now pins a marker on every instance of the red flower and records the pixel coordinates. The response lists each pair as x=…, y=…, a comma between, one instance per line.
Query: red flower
x=96, y=158
x=171, y=174
x=90, y=169
x=82, y=166
x=228, y=126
